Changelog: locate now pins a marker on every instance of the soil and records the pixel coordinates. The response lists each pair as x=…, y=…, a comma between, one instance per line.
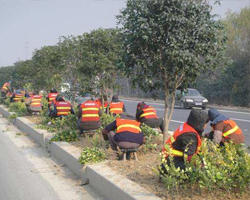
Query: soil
x=144, y=172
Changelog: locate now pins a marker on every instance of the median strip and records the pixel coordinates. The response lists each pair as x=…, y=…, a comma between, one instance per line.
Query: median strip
x=102, y=178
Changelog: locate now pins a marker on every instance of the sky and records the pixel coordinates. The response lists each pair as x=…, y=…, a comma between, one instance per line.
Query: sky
x=26, y=25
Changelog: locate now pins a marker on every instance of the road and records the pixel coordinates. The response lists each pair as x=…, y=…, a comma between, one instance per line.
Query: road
x=180, y=116
x=28, y=172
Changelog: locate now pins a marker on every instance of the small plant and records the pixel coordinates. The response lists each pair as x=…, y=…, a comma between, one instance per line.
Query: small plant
x=7, y=102
x=19, y=108
x=152, y=139
x=226, y=168
x=91, y=155
x=67, y=136
x=107, y=119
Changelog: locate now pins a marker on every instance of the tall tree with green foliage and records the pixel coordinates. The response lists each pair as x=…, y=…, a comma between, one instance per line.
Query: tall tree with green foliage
x=48, y=68
x=169, y=43
x=71, y=48
x=230, y=86
x=101, y=55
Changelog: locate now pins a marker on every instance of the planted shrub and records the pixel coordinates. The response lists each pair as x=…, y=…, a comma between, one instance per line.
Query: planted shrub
x=152, y=138
x=91, y=155
x=226, y=168
x=19, y=108
x=66, y=135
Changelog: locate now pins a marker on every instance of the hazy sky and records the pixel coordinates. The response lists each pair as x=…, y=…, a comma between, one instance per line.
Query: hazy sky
x=27, y=25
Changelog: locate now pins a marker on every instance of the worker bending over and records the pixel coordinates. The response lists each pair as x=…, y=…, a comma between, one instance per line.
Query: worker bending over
x=147, y=114
x=223, y=129
x=88, y=114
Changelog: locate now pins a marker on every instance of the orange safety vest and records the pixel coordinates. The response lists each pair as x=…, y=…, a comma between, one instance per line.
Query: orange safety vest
x=5, y=88
x=63, y=108
x=36, y=101
x=148, y=113
x=116, y=107
x=128, y=125
x=184, y=128
x=234, y=128
x=17, y=97
x=90, y=111
x=52, y=97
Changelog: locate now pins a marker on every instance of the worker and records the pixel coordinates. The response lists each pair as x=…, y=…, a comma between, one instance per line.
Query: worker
x=223, y=129
x=60, y=107
x=105, y=104
x=116, y=106
x=51, y=96
x=16, y=97
x=88, y=114
x=124, y=132
x=34, y=103
x=5, y=89
x=186, y=140
x=147, y=114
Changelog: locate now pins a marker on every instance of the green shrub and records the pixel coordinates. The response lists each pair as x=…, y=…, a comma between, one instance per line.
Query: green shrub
x=7, y=102
x=226, y=168
x=107, y=119
x=19, y=108
x=91, y=155
x=67, y=136
x=152, y=139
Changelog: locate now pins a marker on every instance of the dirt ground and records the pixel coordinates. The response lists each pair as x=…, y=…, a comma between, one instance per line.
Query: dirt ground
x=144, y=173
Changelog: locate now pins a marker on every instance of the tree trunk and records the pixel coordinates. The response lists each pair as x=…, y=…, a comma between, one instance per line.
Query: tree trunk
x=102, y=102
x=169, y=109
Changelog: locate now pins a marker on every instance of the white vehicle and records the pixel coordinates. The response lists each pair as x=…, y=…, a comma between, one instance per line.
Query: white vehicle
x=65, y=87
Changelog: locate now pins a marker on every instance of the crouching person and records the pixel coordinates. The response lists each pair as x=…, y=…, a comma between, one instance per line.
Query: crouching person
x=61, y=108
x=147, y=114
x=125, y=133
x=34, y=103
x=186, y=140
x=88, y=114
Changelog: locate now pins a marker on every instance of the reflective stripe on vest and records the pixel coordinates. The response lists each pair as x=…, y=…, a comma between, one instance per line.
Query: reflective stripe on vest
x=63, y=108
x=90, y=111
x=36, y=101
x=116, y=107
x=149, y=112
x=234, y=128
x=184, y=128
x=17, y=97
x=127, y=125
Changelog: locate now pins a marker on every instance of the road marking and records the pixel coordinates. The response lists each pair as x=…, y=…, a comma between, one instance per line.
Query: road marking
x=243, y=120
x=246, y=113
x=177, y=121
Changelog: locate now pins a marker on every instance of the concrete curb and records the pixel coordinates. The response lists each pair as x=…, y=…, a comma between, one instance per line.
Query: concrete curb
x=102, y=178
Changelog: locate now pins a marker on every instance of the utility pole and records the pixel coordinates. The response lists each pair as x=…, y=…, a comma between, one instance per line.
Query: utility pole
x=26, y=48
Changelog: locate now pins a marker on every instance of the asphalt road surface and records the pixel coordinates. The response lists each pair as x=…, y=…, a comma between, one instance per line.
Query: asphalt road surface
x=242, y=118
x=27, y=172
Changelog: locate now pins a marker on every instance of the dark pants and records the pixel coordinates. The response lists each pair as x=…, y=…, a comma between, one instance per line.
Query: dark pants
x=154, y=123
x=87, y=126
x=123, y=145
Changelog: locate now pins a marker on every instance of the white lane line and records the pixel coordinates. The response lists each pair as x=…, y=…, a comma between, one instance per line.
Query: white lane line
x=243, y=120
x=177, y=121
x=149, y=102
x=246, y=113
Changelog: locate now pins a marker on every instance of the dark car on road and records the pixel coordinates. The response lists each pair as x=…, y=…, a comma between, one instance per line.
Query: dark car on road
x=190, y=98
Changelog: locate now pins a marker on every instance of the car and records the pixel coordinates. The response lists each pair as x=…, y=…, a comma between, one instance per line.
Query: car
x=190, y=98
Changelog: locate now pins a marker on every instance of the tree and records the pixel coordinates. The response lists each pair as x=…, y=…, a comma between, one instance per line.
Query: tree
x=101, y=57
x=48, y=68
x=230, y=86
x=169, y=43
x=72, y=51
